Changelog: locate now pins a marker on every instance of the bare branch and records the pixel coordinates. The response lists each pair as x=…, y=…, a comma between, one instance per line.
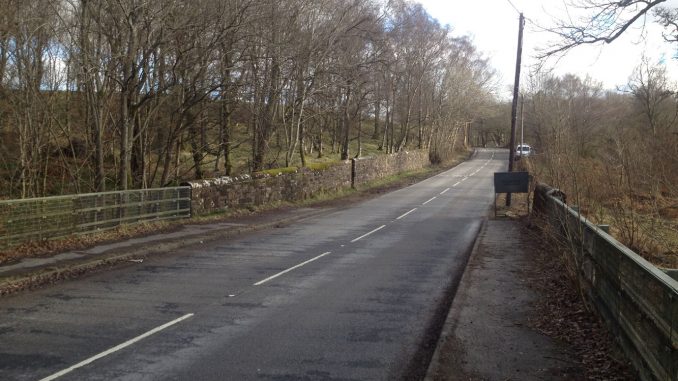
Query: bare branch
x=604, y=22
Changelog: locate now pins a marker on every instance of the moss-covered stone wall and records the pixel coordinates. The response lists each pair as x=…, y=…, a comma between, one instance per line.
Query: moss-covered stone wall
x=223, y=193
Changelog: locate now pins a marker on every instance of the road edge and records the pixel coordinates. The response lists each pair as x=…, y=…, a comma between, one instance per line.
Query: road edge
x=71, y=269
x=432, y=366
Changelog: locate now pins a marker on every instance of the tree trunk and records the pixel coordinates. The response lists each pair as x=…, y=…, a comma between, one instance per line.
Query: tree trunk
x=265, y=129
x=100, y=175
x=360, y=146
x=320, y=138
x=420, y=129
x=377, y=113
x=384, y=140
x=300, y=126
x=196, y=149
x=167, y=159
x=225, y=128
x=137, y=160
x=125, y=154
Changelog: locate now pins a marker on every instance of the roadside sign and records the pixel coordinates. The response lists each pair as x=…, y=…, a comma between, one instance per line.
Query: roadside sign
x=511, y=182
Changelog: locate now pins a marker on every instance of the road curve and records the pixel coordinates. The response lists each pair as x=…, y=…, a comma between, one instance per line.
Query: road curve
x=350, y=295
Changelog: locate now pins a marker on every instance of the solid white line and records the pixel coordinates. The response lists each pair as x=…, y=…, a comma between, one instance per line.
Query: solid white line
x=429, y=200
x=115, y=349
x=402, y=216
x=259, y=283
x=443, y=192
x=366, y=234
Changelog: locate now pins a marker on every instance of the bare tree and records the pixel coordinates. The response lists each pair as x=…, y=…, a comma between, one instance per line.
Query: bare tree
x=101, y=94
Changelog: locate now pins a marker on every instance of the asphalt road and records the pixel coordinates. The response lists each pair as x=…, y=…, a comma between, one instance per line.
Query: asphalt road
x=355, y=294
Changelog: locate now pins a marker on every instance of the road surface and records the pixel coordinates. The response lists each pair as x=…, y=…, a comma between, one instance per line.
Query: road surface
x=355, y=294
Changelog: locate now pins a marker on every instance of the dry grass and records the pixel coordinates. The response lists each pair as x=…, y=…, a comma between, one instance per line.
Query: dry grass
x=562, y=314
x=78, y=242
x=645, y=221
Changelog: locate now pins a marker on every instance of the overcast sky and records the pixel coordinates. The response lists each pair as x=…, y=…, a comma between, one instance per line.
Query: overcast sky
x=493, y=24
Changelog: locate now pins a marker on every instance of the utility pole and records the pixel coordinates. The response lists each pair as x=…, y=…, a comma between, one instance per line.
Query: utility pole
x=514, y=106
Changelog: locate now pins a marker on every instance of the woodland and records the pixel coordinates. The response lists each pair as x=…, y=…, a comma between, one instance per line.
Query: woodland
x=100, y=95
x=614, y=152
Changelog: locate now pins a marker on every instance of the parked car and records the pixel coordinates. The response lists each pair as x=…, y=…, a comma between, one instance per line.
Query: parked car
x=523, y=150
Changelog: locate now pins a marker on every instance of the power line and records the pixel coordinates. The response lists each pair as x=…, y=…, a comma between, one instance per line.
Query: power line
x=514, y=7
x=527, y=19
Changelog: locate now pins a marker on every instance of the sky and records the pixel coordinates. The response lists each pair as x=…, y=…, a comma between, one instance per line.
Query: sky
x=493, y=26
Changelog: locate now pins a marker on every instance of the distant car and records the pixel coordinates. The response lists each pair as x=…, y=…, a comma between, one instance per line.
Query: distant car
x=523, y=150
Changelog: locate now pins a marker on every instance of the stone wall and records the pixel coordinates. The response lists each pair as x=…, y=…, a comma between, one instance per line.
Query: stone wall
x=223, y=193
x=378, y=167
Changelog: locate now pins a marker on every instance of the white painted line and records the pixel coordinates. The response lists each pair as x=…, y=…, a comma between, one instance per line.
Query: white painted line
x=443, y=192
x=366, y=234
x=429, y=200
x=457, y=183
x=259, y=283
x=402, y=216
x=115, y=349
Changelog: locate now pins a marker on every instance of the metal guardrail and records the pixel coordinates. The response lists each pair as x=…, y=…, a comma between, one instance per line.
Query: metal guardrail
x=51, y=217
x=638, y=301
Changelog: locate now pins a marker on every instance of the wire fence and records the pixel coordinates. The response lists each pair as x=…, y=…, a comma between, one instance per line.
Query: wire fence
x=52, y=217
x=638, y=301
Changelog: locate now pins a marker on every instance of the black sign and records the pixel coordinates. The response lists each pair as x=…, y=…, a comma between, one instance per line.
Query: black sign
x=511, y=182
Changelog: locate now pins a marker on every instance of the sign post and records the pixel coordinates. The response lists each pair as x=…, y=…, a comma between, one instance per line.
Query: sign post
x=511, y=182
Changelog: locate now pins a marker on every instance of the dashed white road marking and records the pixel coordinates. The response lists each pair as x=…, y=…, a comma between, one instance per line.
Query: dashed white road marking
x=368, y=233
x=259, y=283
x=405, y=214
x=115, y=349
x=182, y=318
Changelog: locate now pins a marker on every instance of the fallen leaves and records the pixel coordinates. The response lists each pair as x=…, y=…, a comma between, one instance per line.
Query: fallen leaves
x=563, y=315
